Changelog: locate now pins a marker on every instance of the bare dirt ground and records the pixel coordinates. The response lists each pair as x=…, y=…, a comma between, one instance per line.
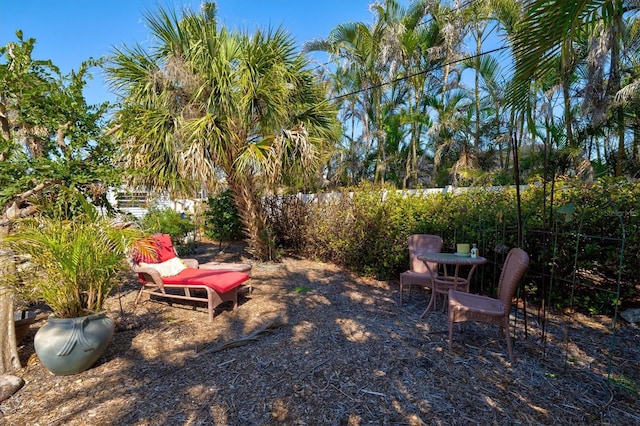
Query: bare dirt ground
x=316, y=345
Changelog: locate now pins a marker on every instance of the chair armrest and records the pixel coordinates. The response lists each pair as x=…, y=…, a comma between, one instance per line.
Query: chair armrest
x=190, y=263
x=149, y=274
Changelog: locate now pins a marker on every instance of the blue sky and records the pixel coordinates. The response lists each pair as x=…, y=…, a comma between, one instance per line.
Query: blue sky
x=71, y=31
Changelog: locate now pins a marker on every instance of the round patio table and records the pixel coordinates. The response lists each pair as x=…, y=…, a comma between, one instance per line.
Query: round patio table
x=442, y=283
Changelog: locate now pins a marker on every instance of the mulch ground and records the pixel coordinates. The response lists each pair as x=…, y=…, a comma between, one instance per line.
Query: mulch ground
x=317, y=345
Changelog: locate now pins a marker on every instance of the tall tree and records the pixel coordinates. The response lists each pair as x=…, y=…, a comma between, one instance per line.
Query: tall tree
x=447, y=130
x=50, y=138
x=202, y=102
x=547, y=29
x=371, y=54
x=420, y=58
x=478, y=17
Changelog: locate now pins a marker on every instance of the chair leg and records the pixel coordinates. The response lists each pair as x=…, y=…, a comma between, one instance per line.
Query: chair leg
x=432, y=302
x=450, y=329
x=139, y=295
x=210, y=304
x=508, y=336
x=400, y=301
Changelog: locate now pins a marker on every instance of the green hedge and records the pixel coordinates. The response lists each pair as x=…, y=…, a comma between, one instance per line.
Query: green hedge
x=578, y=230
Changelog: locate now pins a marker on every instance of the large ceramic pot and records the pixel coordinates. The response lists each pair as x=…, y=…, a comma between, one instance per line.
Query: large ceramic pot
x=71, y=345
x=22, y=321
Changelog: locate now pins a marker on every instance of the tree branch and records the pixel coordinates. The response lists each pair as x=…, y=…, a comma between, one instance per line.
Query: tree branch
x=17, y=209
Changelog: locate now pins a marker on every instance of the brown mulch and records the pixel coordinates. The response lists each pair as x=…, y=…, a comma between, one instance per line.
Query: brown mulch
x=316, y=345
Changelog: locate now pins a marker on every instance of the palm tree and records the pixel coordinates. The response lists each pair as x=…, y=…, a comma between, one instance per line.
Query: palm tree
x=418, y=42
x=346, y=164
x=203, y=103
x=359, y=45
x=478, y=17
x=548, y=28
x=447, y=130
x=488, y=106
x=371, y=53
x=392, y=64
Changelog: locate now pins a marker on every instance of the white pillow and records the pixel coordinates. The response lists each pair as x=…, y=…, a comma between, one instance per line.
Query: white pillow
x=167, y=268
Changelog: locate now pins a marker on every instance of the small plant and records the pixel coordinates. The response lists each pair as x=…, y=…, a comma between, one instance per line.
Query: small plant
x=75, y=262
x=168, y=221
x=626, y=383
x=222, y=222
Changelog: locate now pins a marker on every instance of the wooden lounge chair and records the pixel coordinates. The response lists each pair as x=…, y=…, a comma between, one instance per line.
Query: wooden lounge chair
x=473, y=307
x=418, y=274
x=164, y=271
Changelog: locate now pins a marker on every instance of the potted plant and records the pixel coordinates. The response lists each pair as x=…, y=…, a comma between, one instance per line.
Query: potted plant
x=74, y=266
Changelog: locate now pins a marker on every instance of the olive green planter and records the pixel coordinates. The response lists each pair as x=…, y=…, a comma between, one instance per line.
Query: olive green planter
x=71, y=345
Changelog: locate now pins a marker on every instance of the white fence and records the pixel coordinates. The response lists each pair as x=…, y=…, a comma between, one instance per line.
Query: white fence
x=139, y=202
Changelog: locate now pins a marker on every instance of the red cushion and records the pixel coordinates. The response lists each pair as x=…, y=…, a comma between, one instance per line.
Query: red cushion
x=163, y=250
x=220, y=281
x=164, y=247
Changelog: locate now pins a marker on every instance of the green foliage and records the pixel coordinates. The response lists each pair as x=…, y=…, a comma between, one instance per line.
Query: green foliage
x=575, y=249
x=368, y=230
x=168, y=221
x=74, y=262
x=251, y=105
x=222, y=221
x=50, y=136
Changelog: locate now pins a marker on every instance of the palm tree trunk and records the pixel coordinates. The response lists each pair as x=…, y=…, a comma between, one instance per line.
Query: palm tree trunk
x=411, y=165
x=614, y=86
x=408, y=163
x=567, y=108
x=252, y=215
x=380, y=169
x=635, y=151
x=620, y=157
x=476, y=136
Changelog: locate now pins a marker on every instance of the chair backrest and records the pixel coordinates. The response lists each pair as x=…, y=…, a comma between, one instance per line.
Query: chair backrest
x=165, y=247
x=423, y=243
x=515, y=265
x=161, y=250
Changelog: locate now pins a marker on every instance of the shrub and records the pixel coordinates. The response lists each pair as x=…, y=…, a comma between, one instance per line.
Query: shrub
x=168, y=221
x=222, y=221
x=575, y=238
x=287, y=217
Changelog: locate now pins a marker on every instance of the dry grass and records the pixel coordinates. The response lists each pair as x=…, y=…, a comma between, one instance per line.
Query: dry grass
x=316, y=345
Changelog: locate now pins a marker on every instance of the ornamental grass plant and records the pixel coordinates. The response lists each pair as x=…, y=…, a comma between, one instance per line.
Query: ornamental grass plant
x=73, y=262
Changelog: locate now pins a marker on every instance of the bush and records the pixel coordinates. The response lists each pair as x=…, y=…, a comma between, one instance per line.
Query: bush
x=222, y=221
x=287, y=217
x=367, y=230
x=168, y=221
x=575, y=238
